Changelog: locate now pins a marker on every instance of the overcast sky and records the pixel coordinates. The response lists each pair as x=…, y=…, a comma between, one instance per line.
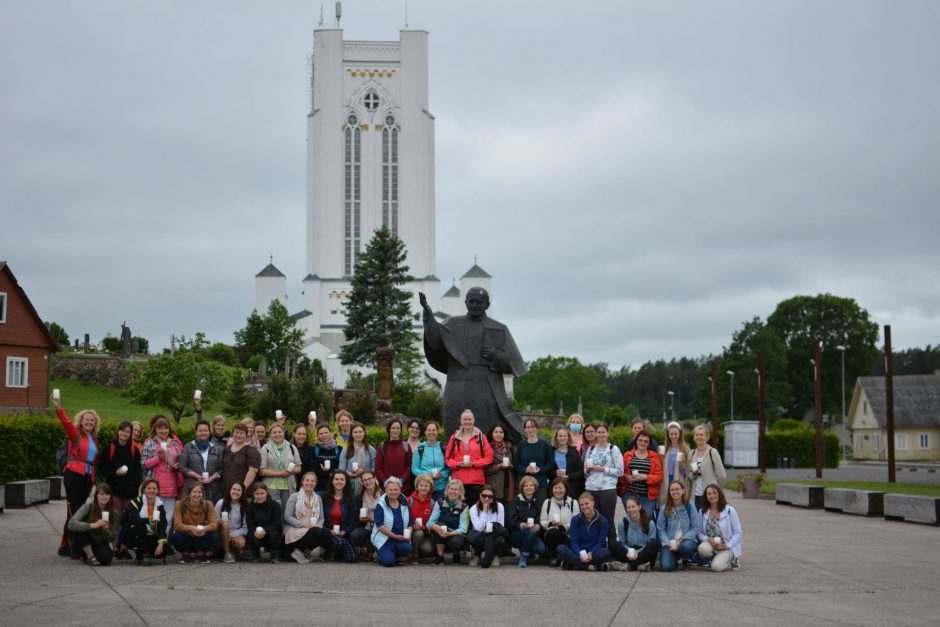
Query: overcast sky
x=638, y=177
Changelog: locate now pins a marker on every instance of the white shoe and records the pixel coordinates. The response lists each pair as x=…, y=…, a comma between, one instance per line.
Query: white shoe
x=644, y=568
x=229, y=558
x=299, y=557
x=496, y=561
x=475, y=560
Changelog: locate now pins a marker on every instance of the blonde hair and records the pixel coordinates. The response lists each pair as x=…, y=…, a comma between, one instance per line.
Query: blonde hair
x=426, y=478
x=460, y=488
x=528, y=479
x=81, y=415
x=682, y=446
x=555, y=437
x=574, y=417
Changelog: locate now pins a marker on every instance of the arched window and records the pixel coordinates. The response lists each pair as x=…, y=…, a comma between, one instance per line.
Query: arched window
x=390, y=174
x=353, y=188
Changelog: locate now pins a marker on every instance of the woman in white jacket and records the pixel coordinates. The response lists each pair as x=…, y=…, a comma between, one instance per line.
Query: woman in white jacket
x=555, y=518
x=720, y=535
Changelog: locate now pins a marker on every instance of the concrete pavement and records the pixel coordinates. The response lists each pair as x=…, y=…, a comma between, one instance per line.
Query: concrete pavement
x=799, y=567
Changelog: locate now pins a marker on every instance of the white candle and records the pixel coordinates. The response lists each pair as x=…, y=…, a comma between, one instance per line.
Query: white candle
x=435, y=472
x=466, y=459
x=505, y=461
x=291, y=466
x=556, y=518
x=326, y=463
x=363, y=512
x=205, y=475
x=631, y=552
x=56, y=394
x=662, y=450
x=259, y=530
x=530, y=521
x=489, y=527
x=199, y=528
x=312, y=415
x=717, y=539
x=407, y=533
x=355, y=466
x=336, y=529
x=634, y=472
x=197, y=395
x=694, y=465
x=419, y=522
x=583, y=553
x=443, y=528
x=163, y=446
x=106, y=516
x=225, y=516
x=124, y=469
x=673, y=544
x=278, y=414
x=156, y=515
x=680, y=457
x=532, y=465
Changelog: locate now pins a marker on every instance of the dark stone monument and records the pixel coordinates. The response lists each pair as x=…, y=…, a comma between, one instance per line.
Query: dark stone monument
x=384, y=356
x=87, y=343
x=125, y=339
x=474, y=351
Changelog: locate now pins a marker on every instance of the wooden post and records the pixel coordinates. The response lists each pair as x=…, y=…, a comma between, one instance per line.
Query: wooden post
x=889, y=399
x=715, y=403
x=817, y=361
x=762, y=442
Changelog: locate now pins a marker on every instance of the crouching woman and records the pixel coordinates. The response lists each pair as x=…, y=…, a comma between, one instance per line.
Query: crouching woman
x=391, y=534
x=720, y=535
x=92, y=528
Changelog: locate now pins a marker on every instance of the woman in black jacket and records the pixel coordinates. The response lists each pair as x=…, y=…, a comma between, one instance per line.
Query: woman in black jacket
x=523, y=517
x=568, y=463
x=119, y=465
x=143, y=525
x=264, y=522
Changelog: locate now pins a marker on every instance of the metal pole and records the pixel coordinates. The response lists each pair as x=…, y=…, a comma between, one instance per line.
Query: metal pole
x=817, y=365
x=889, y=398
x=845, y=432
x=714, y=379
x=762, y=444
x=730, y=373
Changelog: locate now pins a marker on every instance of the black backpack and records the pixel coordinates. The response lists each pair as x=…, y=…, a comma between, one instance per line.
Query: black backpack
x=63, y=454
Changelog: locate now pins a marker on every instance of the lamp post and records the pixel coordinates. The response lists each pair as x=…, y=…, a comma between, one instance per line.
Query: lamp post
x=845, y=432
x=730, y=373
x=672, y=406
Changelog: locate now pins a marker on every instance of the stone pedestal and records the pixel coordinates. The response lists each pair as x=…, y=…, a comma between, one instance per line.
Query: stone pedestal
x=56, y=488
x=20, y=494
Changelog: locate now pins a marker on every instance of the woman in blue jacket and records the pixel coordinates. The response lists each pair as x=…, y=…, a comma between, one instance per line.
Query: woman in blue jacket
x=720, y=532
x=588, y=538
x=428, y=459
x=391, y=534
x=638, y=543
x=534, y=457
x=678, y=527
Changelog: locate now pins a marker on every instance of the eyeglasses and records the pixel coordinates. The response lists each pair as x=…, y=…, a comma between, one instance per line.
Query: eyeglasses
x=488, y=497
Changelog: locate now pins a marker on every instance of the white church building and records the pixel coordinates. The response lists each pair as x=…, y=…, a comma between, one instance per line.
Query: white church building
x=370, y=163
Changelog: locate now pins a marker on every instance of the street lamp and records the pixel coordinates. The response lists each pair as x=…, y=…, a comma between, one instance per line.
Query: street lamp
x=672, y=410
x=841, y=349
x=730, y=373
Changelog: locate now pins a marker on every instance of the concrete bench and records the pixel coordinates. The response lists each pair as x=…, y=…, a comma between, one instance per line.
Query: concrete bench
x=919, y=509
x=810, y=496
x=56, y=488
x=20, y=494
x=860, y=502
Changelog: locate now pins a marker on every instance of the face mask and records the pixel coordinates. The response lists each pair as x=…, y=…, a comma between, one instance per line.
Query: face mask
x=575, y=427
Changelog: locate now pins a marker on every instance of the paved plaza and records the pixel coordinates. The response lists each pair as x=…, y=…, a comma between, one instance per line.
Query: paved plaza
x=800, y=567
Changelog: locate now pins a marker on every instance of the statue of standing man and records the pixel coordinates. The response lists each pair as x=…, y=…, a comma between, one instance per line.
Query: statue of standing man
x=474, y=352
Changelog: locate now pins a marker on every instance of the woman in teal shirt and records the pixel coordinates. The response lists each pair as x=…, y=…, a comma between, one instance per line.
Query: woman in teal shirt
x=429, y=459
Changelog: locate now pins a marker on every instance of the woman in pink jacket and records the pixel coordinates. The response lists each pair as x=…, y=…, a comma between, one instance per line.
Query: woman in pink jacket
x=160, y=459
x=467, y=454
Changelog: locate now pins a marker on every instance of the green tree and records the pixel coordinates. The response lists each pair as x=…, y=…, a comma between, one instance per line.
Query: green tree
x=274, y=335
x=296, y=398
x=552, y=381
x=59, y=334
x=170, y=380
x=835, y=321
x=378, y=312
x=237, y=400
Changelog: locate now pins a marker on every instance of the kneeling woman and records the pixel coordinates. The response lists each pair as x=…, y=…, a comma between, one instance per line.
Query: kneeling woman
x=143, y=526
x=263, y=516
x=720, y=532
x=487, y=528
x=339, y=510
x=195, y=527
x=391, y=534
x=422, y=508
x=557, y=512
x=639, y=542
x=525, y=521
x=303, y=523
x=233, y=526
x=678, y=528
x=92, y=528
x=588, y=544
x=449, y=523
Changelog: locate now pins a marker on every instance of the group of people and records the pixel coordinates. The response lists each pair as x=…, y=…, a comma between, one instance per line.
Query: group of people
x=256, y=494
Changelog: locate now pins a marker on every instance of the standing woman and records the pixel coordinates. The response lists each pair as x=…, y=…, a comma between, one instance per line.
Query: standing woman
x=326, y=454
x=233, y=525
x=160, y=461
x=675, y=461
x=678, y=526
x=589, y=437
x=344, y=425
x=575, y=426
x=304, y=450
x=366, y=503
x=535, y=457
x=263, y=516
x=468, y=453
x=280, y=465
x=603, y=467
x=487, y=528
x=557, y=512
x=524, y=521
x=415, y=429
x=195, y=527
x=358, y=456
x=79, y=473
x=93, y=528
x=499, y=473
x=705, y=466
x=644, y=473
x=393, y=457
x=259, y=431
x=120, y=467
x=720, y=535
x=638, y=543
x=303, y=523
x=201, y=462
x=339, y=510
x=568, y=463
x=391, y=534
x=240, y=460
x=137, y=433
x=144, y=526
x=428, y=459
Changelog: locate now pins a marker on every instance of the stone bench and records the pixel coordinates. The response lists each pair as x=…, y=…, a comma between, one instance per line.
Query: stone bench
x=919, y=509
x=20, y=494
x=810, y=496
x=56, y=488
x=860, y=502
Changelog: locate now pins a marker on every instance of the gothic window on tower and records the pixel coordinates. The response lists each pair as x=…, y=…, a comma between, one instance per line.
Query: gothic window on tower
x=352, y=147
x=371, y=101
x=390, y=174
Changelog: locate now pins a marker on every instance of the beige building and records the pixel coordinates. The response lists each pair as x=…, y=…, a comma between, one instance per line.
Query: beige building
x=916, y=418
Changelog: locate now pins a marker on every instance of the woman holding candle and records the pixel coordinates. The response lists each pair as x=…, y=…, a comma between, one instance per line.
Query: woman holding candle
x=195, y=527
x=428, y=459
x=675, y=461
x=575, y=426
x=415, y=429
x=340, y=513
x=705, y=466
x=160, y=461
x=240, y=460
x=603, y=467
x=280, y=465
x=358, y=456
x=534, y=457
x=588, y=438
x=499, y=473
x=303, y=523
x=366, y=503
x=720, y=534
x=93, y=526
x=556, y=514
x=391, y=534
x=643, y=473
x=263, y=516
x=568, y=463
x=638, y=543
x=487, y=528
x=678, y=526
x=120, y=468
x=421, y=503
x=468, y=453
x=233, y=525
x=305, y=451
x=144, y=526
x=326, y=454
x=587, y=549
x=344, y=425
x=393, y=457
x=201, y=462
x=449, y=523
x=524, y=522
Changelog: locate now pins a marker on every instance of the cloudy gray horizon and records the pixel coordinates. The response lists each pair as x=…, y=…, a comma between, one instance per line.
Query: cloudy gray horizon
x=638, y=177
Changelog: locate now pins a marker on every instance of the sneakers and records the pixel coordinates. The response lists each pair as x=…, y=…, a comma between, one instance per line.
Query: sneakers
x=644, y=568
x=565, y=566
x=438, y=560
x=248, y=555
x=299, y=557
x=183, y=559
x=705, y=563
x=475, y=560
x=145, y=561
x=613, y=566
x=228, y=558
x=695, y=560
x=554, y=563
x=456, y=559
x=203, y=559
x=496, y=561
x=522, y=560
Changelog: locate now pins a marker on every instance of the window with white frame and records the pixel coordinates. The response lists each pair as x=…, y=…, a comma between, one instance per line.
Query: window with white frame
x=352, y=141
x=924, y=440
x=858, y=442
x=3, y=307
x=901, y=441
x=17, y=372
x=874, y=442
x=390, y=174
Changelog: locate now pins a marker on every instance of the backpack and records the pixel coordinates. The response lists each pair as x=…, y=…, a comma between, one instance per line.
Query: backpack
x=453, y=445
x=63, y=454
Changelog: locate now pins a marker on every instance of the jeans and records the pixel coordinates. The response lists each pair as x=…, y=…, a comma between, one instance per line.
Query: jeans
x=187, y=543
x=567, y=555
x=528, y=542
x=392, y=550
x=452, y=544
x=669, y=560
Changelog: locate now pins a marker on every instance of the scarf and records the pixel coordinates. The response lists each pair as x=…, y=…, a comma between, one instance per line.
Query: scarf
x=499, y=450
x=307, y=504
x=203, y=446
x=329, y=445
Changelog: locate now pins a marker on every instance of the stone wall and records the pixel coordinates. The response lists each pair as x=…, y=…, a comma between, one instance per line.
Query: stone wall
x=100, y=369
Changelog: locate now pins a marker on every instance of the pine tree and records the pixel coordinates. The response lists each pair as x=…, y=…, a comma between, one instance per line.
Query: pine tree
x=378, y=312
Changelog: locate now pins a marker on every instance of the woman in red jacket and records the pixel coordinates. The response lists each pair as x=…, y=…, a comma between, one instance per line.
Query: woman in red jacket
x=643, y=472
x=79, y=473
x=393, y=457
x=468, y=453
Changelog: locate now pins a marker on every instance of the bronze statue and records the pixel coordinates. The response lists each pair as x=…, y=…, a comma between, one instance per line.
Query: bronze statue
x=474, y=352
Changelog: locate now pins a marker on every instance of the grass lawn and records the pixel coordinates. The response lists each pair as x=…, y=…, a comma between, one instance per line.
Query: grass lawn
x=770, y=487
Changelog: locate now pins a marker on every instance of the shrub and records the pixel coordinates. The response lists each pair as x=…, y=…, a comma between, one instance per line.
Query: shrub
x=787, y=424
